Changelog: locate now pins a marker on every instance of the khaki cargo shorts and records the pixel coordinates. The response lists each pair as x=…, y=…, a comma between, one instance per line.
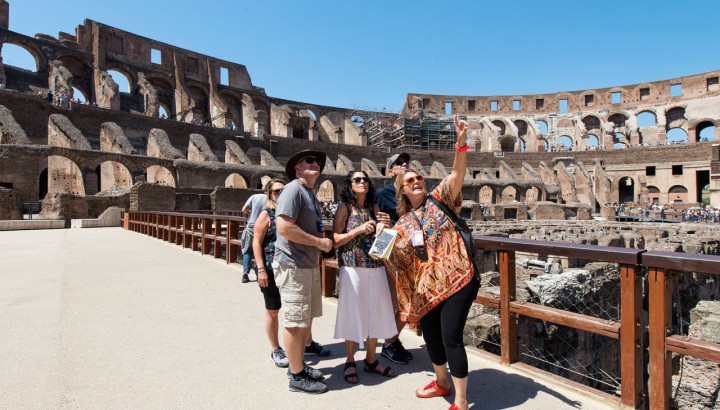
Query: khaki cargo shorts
x=300, y=292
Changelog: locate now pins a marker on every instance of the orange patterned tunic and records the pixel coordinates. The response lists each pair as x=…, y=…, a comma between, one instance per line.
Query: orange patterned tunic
x=423, y=285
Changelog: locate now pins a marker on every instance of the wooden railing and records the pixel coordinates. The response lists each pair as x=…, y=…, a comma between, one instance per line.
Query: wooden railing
x=206, y=233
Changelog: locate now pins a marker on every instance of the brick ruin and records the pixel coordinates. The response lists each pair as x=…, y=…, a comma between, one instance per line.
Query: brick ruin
x=224, y=137
x=223, y=131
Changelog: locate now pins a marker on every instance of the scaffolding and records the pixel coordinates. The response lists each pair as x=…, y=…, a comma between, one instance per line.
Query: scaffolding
x=424, y=134
x=378, y=127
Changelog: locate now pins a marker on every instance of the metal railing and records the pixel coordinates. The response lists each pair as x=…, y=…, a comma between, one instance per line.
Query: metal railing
x=210, y=233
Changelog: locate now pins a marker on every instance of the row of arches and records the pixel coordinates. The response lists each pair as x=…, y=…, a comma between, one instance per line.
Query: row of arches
x=26, y=57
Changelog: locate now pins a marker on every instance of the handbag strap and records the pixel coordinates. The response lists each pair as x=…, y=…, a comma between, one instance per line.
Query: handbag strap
x=449, y=212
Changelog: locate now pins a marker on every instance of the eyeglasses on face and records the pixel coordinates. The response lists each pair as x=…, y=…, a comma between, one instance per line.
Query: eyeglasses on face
x=412, y=180
x=311, y=160
x=357, y=180
x=400, y=164
x=276, y=191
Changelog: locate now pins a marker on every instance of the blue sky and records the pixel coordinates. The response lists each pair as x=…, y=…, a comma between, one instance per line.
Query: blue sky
x=370, y=54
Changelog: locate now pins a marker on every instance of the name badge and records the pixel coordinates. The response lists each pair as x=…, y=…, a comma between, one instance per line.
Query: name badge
x=417, y=239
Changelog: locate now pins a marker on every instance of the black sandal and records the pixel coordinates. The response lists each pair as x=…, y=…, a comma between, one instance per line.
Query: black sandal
x=349, y=376
x=372, y=368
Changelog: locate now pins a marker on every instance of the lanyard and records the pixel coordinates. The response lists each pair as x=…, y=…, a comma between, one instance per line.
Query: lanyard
x=420, y=223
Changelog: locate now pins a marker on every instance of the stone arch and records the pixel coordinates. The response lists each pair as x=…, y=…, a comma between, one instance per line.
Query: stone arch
x=82, y=73
x=653, y=194
x=566, y=141
x=326, y=191
x=311, y=113
x=591, y=122
x=626, y=189
x=114, y=174
x=522, y=127
x=357, y=119
x=618, y=118
x=705, y=130
x=507, y=143
x=509, y=194
x=236, y=180
x=620, y=141
x=79, y=92
x=262, y=108
x=486, y=195
x=500, y=124
x=593, y=141
x=675, y=118
x=124, y=79
x=677, y=194
x=263, y=181
x=202, y=101
x=543, y=126
x=646, y=118
x=234, y=106
x=677, y=136
x=166, y=93
x=164, y=111
x=64, y=176
x=532, y=195
x=23, y=49
x=158, y=174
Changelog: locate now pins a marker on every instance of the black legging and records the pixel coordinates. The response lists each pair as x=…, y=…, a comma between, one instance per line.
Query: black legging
x=443, y=328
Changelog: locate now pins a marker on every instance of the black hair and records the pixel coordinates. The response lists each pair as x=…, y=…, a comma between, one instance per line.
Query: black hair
x=348, y=196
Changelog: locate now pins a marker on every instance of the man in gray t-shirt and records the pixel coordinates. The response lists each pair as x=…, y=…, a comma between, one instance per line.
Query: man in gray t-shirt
x=300, y=239
x=254, y=205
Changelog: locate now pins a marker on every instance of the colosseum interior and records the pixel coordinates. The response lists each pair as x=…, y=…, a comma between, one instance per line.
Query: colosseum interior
x=199, y=125
x=193, y=133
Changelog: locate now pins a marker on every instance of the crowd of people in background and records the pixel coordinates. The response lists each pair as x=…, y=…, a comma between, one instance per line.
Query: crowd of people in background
x=699, y=214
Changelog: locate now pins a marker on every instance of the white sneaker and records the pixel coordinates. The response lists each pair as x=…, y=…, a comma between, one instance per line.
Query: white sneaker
x=279, y=358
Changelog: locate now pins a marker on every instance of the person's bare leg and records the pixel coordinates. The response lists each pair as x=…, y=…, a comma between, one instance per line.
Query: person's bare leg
x=271, y=328
x=371, y=355
x=309, y=337
x=370, y=352
x=461, y=392
x=295, y=347
x=350, y=358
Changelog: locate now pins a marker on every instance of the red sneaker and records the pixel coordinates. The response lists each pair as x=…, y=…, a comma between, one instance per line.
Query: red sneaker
x=432, y=390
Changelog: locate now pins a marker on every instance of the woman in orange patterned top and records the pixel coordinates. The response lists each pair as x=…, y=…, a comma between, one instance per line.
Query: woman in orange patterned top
x=436, y=282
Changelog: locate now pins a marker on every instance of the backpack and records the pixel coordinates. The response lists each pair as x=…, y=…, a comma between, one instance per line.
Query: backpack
x=465, y=233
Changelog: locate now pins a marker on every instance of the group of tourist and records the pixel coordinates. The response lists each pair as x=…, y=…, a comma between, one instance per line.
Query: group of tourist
x=701, y=214
x=62, y=99
x=427, y=282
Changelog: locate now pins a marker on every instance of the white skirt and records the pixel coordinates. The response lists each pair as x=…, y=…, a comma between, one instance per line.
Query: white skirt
x=364, y=306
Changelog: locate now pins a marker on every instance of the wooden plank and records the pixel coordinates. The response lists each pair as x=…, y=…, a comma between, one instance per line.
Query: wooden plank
x=508, y=320
x=659, y=367
x=231, y=253
x=688, y=262
x=217, y=225
x=694, y=347
x=565, y=318
x=573, y=250
x=488, y=299
x=328, y=272
x=631, y=337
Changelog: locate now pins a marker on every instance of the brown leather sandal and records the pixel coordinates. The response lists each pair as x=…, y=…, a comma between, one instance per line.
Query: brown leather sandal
x=372, y=368
x=349, y=376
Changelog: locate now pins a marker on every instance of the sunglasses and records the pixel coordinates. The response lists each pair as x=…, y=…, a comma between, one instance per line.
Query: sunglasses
x=311, y=160
x=276, y=191
x=357, y=180
x=400, y=164
x=412, y=180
